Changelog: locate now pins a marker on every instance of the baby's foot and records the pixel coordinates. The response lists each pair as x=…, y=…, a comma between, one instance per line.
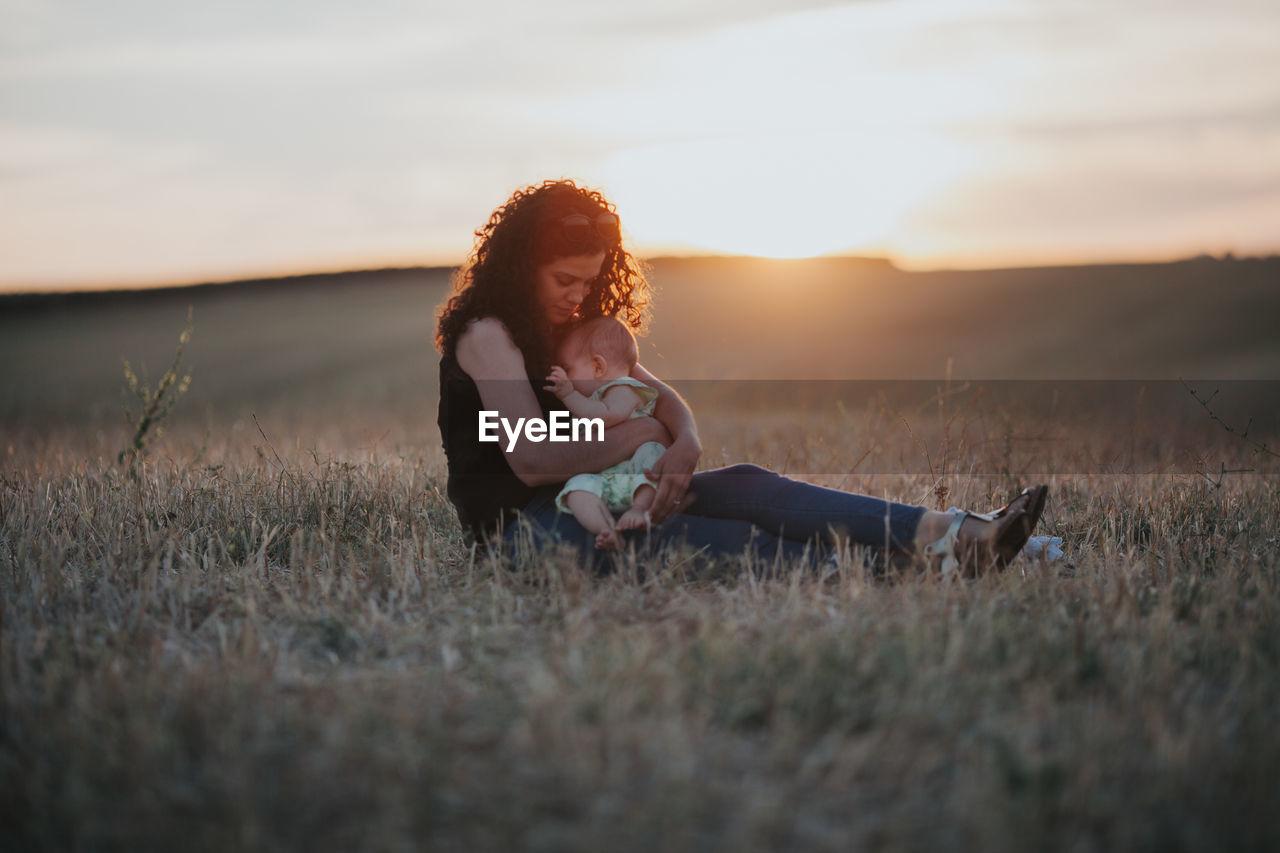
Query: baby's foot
x=634, y=519
x=607, y=540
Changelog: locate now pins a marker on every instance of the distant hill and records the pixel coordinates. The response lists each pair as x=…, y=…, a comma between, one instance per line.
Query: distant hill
x=839, y=319
x=365, y=338
x=29, y=301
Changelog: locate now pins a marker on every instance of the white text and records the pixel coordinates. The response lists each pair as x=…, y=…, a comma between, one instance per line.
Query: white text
x=561, y=427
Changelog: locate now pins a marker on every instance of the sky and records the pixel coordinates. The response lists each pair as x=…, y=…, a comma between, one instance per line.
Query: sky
x=148, y=142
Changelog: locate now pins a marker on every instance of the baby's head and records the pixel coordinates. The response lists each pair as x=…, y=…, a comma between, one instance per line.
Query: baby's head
x=598, y=350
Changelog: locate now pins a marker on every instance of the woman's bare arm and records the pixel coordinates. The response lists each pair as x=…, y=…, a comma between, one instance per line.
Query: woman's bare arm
x=674, y=469
x=486, y=353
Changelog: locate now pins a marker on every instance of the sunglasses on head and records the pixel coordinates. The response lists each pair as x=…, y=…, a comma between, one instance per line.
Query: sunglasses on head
x=577, y=228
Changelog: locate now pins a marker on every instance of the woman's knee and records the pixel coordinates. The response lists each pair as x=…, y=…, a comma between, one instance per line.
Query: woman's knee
x=734, y=482
x=739, y=472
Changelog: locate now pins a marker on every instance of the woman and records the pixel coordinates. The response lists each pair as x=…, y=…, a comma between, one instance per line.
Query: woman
x=552, y=255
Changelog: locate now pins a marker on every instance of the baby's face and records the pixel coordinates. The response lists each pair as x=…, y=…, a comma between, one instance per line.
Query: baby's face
x=578, y=363
x=586, y=369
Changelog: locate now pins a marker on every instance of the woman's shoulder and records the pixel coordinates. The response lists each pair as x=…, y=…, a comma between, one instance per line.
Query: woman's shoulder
x=487, y=327
x=485, y=333
x=486, y=344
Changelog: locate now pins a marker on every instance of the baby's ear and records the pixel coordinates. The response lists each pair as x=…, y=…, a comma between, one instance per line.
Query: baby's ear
x=599, y=366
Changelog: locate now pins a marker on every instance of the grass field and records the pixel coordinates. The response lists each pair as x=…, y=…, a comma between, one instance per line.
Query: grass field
x=275, y=637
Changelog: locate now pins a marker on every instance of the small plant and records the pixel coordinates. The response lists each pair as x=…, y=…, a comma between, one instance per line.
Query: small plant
x=1242, y=434
x=148, y=423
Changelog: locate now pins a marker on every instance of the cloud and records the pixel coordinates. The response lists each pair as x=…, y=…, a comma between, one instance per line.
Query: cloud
x=1130, y=196
x=235, y=56
x=401, y=123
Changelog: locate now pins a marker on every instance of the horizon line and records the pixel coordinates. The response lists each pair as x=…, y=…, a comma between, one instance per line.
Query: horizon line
x=119, y=287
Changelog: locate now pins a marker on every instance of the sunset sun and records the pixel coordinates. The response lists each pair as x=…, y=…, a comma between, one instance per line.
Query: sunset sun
x=830, y=157
x=783, y=196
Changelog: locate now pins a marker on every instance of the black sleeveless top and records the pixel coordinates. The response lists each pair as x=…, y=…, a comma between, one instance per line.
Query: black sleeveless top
x=482, y=487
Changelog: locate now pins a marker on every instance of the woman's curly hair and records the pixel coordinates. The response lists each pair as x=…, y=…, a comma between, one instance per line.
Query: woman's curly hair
x=499, y=277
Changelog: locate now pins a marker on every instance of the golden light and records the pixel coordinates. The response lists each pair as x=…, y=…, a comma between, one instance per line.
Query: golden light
x=781, y=197
x=804, y=135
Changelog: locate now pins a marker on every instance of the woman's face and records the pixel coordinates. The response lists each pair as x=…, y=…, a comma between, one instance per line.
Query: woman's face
x=562, y=284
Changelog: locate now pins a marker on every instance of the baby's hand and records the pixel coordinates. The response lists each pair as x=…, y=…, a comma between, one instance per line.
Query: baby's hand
x=558, y=382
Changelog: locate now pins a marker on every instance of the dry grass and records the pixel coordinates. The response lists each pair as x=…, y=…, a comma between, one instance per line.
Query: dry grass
x=236, y=652
x=279, y=639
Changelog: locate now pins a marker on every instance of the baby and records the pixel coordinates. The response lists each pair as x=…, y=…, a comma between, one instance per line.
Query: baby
x=598, y=357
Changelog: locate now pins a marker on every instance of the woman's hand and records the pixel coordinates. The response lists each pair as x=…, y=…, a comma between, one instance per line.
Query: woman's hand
x=672, y=473
x=674, y=468
x=559, y=383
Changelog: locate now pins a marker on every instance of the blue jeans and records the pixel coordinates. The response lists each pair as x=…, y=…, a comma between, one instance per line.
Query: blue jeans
x=743, y=509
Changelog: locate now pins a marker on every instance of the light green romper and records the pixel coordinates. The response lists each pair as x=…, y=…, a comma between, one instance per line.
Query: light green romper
x=617, y=484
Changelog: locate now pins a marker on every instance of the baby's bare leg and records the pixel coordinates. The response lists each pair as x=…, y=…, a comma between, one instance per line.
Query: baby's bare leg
x=637, y=518
x=591, y=513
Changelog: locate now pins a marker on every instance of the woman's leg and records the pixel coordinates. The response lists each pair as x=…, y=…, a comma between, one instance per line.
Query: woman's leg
x=801, y=511
x=746, y=508
x=796, y=510
x=711, y=537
